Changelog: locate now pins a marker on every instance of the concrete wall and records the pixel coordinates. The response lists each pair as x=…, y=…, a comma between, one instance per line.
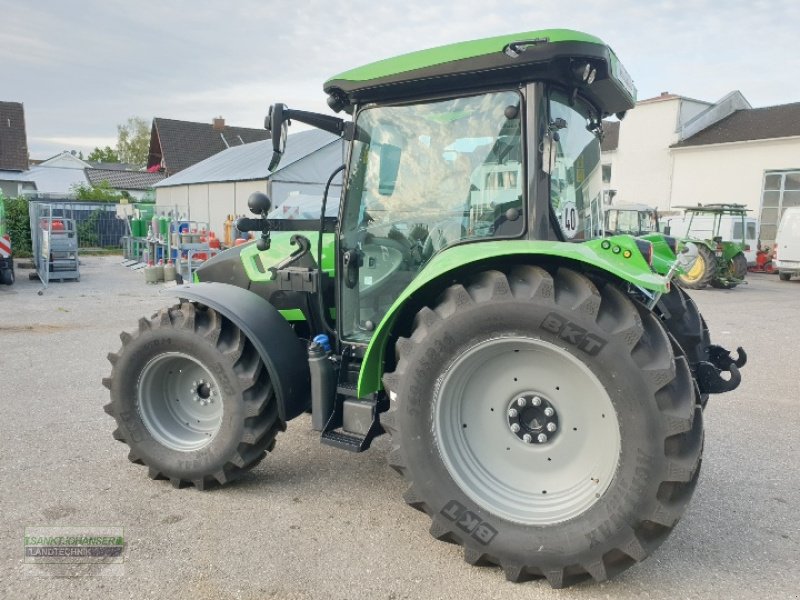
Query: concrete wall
x=10, y=189
x=177, y=196
x=211, y=202
x=642, y=166
x=730, y=172
x=242, y=190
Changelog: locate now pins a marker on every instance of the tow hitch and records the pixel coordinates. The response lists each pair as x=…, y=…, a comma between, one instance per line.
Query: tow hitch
x=709, y=373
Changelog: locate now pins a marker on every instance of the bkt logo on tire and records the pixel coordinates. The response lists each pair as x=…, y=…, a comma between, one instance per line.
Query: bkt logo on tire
x=469, y=522
x=569, y=332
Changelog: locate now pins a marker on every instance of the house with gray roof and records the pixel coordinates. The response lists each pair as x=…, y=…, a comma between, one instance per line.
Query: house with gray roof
x=176, y=145
x=13, y=148
x=137, y=184
x=219, y=186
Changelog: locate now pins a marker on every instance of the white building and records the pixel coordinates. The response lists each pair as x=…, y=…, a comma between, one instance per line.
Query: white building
x=674, y=151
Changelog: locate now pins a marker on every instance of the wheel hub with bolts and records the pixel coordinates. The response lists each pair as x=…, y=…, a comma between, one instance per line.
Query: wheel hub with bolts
x=202, y=392
x=532, y=418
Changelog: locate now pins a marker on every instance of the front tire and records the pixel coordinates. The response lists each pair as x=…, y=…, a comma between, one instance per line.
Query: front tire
x=702, y=271
x=7, y=276
x=192, y=398
x=615, y=474
x=784, y=276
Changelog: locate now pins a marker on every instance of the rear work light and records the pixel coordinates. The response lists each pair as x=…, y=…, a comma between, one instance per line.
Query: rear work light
x=646, y=248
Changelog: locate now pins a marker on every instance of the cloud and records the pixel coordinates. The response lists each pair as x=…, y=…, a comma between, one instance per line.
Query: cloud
x=82, y=71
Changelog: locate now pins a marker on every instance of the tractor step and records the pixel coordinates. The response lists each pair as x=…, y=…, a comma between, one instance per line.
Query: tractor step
x=339, y=438
x=355, y=421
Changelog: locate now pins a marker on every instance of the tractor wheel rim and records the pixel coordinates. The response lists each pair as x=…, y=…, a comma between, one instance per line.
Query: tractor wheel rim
x=179, y=402
x=520, y=480
x=697, y=270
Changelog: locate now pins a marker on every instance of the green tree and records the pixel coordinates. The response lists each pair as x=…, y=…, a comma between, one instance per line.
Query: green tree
x=107, y=155
x=102, y=192
x=18, y=225
x=133, y=141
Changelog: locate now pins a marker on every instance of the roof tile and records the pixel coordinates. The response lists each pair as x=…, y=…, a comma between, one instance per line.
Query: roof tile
x=13, y=139
x=185, y=143
x=124, y=180
x=765, y=123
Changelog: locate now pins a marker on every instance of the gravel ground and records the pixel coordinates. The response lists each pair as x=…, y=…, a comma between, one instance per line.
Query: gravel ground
x=315, y=522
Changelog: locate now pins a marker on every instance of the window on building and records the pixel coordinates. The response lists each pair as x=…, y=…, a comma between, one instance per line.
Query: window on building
x=606, y=173
x=781, y=189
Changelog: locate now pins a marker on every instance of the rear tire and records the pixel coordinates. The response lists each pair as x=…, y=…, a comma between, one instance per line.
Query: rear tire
x=784, y=276
x=7, y=276
x=519, y=504
x=703, y=270
x=683, y=321
x=735, y=273
x=192, y=398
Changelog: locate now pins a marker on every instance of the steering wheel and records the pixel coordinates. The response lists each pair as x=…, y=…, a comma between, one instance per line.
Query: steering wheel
x=381, y=258
x=441, y=234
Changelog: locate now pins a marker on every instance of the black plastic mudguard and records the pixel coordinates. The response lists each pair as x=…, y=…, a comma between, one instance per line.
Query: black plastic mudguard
x=283, y=353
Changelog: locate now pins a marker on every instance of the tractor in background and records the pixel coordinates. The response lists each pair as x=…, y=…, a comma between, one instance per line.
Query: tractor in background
x=715, y=261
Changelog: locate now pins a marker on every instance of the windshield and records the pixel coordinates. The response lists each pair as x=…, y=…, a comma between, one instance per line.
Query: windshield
x=423, y=177
x=576, y=178
x=632, y=222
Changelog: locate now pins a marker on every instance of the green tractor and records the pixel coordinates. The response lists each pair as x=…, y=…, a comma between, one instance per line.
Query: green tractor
x=714, y=261
x=631, y=219
x=543, y=386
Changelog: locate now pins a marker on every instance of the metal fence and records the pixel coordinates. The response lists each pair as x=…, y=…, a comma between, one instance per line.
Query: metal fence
x=96, y=222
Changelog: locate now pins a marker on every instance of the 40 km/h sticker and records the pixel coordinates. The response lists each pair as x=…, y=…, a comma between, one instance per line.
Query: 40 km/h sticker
x=569, y=219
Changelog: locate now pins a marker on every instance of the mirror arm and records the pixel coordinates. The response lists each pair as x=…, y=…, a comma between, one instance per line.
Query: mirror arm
x=328, y=123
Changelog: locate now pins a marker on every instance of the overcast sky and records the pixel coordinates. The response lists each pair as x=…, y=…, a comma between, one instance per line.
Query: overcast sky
x=81, y=68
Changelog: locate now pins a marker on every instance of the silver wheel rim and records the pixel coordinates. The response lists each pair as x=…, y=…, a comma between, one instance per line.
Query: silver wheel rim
x=527, y=483
x=179, y=402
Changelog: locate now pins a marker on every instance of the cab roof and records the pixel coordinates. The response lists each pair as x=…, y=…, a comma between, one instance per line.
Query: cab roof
x=721, y=208
x=548, y=55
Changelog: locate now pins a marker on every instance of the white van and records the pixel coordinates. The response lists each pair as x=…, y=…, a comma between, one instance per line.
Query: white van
x=730, y=229
x=787, y=244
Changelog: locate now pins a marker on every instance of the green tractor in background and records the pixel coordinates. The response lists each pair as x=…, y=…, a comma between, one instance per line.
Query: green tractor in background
x=631, y=219
x=714, y=261
x=543, y=385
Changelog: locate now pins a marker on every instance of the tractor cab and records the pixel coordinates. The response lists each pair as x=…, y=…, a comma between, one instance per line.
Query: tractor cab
x=495, y=140
x=631, y=219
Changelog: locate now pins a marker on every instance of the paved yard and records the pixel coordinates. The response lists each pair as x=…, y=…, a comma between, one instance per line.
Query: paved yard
x=315, y=522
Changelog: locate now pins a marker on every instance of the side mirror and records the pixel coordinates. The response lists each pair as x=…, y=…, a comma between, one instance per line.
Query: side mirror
x=278, y=127
x=259, y=203
x=389, y=167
